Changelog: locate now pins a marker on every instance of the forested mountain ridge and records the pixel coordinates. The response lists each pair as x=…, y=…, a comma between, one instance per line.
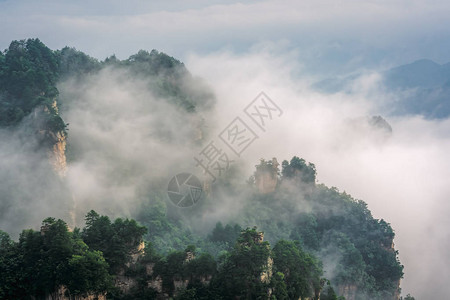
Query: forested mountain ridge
x=335, y=249
x=318, y=243
x=417, y=88
x=34, y=120
x=29, y=73
x=426, y=86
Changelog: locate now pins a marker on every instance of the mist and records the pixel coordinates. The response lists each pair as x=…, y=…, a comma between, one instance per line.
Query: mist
x=30, y=190
x=123, y=139
x=403, y=175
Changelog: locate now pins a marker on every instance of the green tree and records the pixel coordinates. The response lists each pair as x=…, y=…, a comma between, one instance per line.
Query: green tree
x=350, y=267
x=116, y=241
x=302, y=271
x=55, y=252
x=279, y=288
x=306, y=231
x=28, y=77
x=297, y=168
x=41, y=262
x=11, y=281
x=171, y=268
x=240, y=275
x=88, y=273
x=75, y=64
x=227, y=234
x=201, y=267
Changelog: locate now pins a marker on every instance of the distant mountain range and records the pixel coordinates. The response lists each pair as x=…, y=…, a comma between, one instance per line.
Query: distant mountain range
x=420, y=88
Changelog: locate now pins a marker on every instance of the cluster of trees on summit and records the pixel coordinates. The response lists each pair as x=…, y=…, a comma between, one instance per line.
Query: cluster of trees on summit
x=318, y=241
x=30, y=71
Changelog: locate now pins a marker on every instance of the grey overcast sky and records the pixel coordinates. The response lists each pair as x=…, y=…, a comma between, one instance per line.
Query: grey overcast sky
x=332, y=36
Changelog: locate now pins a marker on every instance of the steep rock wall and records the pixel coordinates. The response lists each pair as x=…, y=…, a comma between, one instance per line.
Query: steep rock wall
x=61, y=294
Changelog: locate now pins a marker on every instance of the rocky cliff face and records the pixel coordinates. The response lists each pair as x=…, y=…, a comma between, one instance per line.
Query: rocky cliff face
x=61, y=294
x=267, y=274
x=266, y=182
x=348, y=291
x=266, y=176
x=57, y=154
x=58, y=151
x=53, y=137
x=396, y=295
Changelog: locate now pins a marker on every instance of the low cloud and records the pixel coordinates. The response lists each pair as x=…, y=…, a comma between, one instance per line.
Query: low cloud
x=403, y=175
x=123, y=138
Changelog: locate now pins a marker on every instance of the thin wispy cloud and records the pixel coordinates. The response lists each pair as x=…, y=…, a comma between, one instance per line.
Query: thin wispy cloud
x=323, y=30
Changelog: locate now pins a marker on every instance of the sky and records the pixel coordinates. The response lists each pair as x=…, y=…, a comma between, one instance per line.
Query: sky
x=329, y=36
x=281, y=47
